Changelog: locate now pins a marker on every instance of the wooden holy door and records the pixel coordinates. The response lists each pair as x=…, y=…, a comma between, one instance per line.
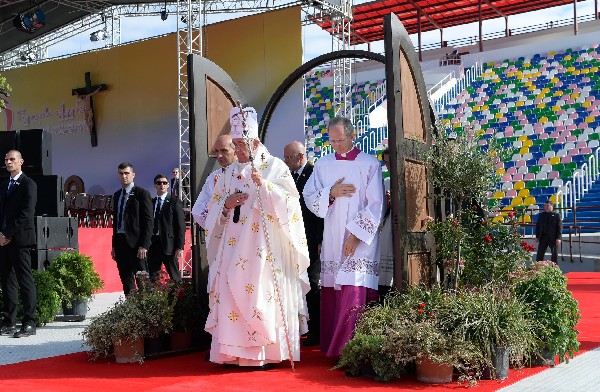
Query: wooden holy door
x=409, y=124
x=212, y=93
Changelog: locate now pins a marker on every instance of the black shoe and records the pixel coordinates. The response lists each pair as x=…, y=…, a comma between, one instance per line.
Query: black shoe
x=7, y=329
x=26, y=330
x=311, y=340
x=266, y=366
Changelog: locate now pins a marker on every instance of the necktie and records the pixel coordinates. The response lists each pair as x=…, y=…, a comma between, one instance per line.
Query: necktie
x=157, y=203
x=295, y=175
x=10, y=184
x=121, y=208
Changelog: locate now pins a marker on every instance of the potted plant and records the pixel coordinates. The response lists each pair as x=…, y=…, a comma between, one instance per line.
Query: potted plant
x=544, y=288
x=76, y=280
x=186, y=314
x=496, y=321
x=408, y=329
x=142, y=315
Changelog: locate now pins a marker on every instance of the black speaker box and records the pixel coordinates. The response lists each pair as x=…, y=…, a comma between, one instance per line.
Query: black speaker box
x=50, y=195
x=8, y=141
x=56, y=232
x=36, y=148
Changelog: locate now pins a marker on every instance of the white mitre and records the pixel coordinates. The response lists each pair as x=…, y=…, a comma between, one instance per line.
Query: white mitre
x=236, y=121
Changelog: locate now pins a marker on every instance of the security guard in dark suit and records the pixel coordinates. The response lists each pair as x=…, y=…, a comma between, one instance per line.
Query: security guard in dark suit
x=548, y=232
x=132, y=229
x=168, y=235
x=18, y=197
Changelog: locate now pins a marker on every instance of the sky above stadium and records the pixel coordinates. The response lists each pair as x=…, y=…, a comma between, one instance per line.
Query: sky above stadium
x=315, y=40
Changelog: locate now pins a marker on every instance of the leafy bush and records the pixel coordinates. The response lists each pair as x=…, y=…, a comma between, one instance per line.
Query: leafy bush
x=544, y=288
x=75, y=276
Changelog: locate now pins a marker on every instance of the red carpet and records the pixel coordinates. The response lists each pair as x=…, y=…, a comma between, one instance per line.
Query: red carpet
x=191, y=372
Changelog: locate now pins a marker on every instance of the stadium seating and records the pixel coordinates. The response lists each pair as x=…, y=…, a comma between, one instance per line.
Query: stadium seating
x=319, y=108
x=545, y=108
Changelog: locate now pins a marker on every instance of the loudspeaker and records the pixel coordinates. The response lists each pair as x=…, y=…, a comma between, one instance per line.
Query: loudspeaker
x=8, y=141
x=56, y=232
x=36, y=148
x=50, y=196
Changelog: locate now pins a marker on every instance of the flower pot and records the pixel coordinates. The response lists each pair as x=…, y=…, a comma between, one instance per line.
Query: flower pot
x=75, y=308
x=433, y=373
x=155, y=345
x=180, y=340
x=545, y=358
x=128, y=351
x=500, y=365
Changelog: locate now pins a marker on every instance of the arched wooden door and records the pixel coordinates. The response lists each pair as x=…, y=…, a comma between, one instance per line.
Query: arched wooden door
x=409, y=123
x=212, y=93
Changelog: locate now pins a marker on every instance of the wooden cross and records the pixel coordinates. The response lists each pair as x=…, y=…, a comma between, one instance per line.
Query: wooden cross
x=85, y=94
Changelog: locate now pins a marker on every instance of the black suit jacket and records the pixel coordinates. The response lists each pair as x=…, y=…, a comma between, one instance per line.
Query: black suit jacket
x=137, y=218
x=548, y=226
x=313, y=225
x=17, y=208
x=171, y=225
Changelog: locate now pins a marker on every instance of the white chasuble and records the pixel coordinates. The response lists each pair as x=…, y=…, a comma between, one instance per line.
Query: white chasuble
x=200, y=207
x=359, y=214
x=245, y=318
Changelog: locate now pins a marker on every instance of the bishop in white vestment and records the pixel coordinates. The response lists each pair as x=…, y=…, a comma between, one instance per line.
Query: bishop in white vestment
x=256, y=297
x=346, y=190
x=225, y=154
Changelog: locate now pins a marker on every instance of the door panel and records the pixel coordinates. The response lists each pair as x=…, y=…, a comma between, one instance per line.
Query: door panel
x=409, y=123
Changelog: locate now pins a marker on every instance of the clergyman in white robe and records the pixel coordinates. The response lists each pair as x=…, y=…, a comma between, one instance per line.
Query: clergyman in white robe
x=347, y=283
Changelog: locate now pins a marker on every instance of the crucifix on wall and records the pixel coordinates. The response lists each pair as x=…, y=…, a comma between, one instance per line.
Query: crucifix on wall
x=85, y=94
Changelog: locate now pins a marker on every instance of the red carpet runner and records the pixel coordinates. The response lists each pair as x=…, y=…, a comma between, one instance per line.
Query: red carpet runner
x=192, y=373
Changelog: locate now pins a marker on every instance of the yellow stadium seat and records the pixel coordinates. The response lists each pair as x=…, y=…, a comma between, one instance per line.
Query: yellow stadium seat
x=519, y=103
x=554, y=80
x=446, y=121
x=543, y=119
x=522, y=138
x=499, y=115
x=498, y=195
x=554, y=160
x=541, y=105
x=519, y=185
x=524, y=150
x=499, y=219
x=556, y=198
x=529, y=200
x=525, y=218
x=586, y=104
x=527, y=143
x=523, y=192
x=501, y=171
x=545, y=90
x=576, y=72
x=575, y=95
x=516, y=201
x=556, y=108
x=590, y=119
x=594, y=69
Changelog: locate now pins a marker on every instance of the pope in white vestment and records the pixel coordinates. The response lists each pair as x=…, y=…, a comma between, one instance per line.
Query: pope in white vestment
x=346, y=190
x=256, y=297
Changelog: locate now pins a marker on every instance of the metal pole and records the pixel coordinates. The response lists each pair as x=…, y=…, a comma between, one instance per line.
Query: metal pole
x=481, y=26
x=575, y=26
x=419, y=36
